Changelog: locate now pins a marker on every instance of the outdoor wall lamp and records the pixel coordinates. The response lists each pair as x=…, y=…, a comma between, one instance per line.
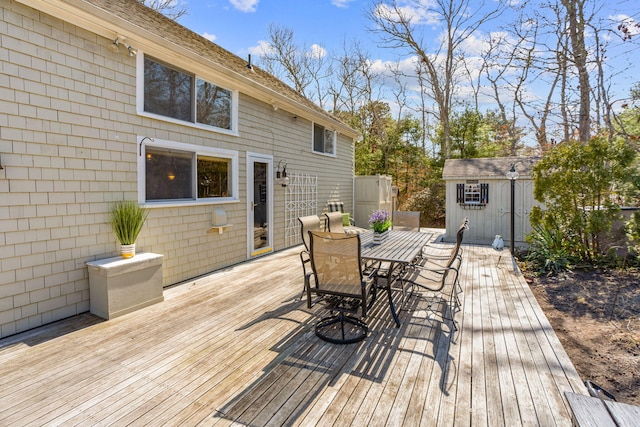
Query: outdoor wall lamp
x=115, y=46
x=512, y=175
x=281, y=177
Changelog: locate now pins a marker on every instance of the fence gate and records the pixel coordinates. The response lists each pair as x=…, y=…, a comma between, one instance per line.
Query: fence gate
x=300, y=199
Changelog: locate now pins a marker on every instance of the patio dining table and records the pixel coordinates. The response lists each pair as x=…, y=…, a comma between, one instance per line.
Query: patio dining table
x=399, y=249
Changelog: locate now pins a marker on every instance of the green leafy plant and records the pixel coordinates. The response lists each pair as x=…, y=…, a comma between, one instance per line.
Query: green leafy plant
x=431, y=202
x=548, y=252
x=380, y=221
x=127, y=218
x=581, y=186
x=632, y=229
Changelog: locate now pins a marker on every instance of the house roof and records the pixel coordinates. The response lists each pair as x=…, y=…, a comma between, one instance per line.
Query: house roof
x=487, y=167
x=150, y=31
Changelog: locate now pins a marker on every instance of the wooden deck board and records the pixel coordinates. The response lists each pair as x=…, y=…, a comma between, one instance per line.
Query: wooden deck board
x=237, y=347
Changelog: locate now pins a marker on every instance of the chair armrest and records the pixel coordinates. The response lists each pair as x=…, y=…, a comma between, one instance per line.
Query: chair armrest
x=433, y=279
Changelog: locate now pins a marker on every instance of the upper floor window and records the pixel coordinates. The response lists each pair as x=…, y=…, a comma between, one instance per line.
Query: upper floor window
x=177, y=94
x=324, y=140
x=175, y=172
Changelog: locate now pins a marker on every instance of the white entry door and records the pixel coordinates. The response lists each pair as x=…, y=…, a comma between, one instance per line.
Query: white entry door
x=259, y=204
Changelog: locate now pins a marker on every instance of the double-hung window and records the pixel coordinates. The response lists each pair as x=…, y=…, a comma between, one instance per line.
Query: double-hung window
x=176, y=173
x=324, y=140
x=169, y=92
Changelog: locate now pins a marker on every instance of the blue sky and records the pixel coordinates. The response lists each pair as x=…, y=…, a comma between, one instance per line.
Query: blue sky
x=241, y=26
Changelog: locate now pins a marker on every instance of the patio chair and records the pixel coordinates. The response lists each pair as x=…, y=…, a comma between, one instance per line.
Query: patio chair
x=441, y=280
x=339, y=207
x=307, y=223
x=336, y=225
x=339, y=279
x=442, y=259
x=334, y=222
x=405, y=220
x=438, y=255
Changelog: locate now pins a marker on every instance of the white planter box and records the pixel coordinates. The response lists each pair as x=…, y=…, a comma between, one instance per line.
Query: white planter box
x=119, y=286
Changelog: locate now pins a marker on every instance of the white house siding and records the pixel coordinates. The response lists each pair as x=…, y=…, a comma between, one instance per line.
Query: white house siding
x=68, y=132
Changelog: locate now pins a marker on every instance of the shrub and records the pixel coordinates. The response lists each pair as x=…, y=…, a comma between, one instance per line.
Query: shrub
x=548, y=252
x=581, y=186
x=431, y=203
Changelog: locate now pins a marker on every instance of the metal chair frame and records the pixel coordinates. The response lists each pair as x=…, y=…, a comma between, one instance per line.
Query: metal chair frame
x=336, y=264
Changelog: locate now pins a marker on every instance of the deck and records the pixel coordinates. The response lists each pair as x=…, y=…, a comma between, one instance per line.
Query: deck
x=237, y=347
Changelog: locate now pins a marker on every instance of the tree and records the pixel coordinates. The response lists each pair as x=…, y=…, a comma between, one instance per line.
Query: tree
x=307, y=70
x=582, y=186
x=169, y=8
x=353, y=80
x=399, y=27
x=576, y=22
x=505, y=118
x=285, y=60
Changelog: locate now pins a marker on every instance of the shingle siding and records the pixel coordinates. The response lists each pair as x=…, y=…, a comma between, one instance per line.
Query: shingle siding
x=68, y=145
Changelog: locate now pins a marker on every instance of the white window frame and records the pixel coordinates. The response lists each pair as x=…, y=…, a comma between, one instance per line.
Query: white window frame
x=471, y=193
x=232, y=155
x=140, y=100
x=335, y=140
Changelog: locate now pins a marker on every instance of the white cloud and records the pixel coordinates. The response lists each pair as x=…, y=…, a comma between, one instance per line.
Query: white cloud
x=415, y=11
x=245, y=5
x=317, y=51
x=628, y=21
x=260, y=49
x=341, y=3
x=210, y=37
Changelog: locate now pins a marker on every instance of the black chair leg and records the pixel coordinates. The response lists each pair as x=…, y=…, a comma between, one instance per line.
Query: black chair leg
x=324, y=329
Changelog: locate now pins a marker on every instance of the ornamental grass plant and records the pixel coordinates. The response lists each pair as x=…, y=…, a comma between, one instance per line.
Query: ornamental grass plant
x=127, y=219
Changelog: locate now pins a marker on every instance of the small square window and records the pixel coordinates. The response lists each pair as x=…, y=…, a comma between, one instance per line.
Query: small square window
x=323, y=140
x=472, y=194
x=213, y=177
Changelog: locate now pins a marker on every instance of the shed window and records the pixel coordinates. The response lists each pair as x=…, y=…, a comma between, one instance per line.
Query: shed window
x=472, y=194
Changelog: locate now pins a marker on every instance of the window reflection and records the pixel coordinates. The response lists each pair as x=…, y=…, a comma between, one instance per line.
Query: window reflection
x=168, y=174
x=213, y=177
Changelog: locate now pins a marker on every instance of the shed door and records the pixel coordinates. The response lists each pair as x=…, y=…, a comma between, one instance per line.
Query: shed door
x=504, y=198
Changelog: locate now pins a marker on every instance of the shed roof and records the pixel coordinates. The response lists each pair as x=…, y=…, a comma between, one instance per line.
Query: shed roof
x=487, y=167
x=148, y=28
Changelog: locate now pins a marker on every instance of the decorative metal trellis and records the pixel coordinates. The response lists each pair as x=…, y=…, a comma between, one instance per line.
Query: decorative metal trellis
x=301, y=199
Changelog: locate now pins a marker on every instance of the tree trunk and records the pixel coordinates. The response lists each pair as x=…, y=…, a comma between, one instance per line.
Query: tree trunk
x=575, y=17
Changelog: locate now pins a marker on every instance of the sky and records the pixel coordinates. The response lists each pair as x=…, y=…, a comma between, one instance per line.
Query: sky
x=241, y=26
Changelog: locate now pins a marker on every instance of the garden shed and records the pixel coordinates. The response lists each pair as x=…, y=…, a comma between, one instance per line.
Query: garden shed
x=479, y=189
